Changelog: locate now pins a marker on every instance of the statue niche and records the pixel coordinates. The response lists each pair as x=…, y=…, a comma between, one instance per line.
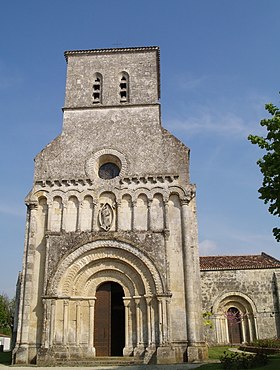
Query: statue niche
x=105, y=216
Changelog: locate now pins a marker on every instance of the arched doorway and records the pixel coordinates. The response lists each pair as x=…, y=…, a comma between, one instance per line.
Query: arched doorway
x=234, y=325
x=109, y=322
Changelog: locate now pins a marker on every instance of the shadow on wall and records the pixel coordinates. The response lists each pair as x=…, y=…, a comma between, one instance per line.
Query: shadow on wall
x=276, y=303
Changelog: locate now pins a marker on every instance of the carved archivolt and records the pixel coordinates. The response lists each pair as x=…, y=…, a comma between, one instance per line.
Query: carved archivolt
x=238, y=299
x=95, y=278
x=78, y=270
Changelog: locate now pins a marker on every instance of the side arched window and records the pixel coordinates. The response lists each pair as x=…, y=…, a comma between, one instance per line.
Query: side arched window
x=124, y=87
x=97, y=88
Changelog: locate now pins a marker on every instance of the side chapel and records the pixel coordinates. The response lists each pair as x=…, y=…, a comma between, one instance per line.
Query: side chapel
x=111, y=265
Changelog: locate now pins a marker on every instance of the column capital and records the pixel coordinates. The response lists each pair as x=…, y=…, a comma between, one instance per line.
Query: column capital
x=149, y=299
x=32, y=205
x=189, y=195
x=166, y=202
x=137, y=299
x=127, y=301
x=92, y=302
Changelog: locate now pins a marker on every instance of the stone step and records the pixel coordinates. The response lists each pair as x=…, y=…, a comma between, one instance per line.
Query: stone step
x=99, y=361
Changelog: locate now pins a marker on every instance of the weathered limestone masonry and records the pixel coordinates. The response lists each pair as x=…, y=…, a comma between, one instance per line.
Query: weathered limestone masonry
x=241, y=295
x=111, y=264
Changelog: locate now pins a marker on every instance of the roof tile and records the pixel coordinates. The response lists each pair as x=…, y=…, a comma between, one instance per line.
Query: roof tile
x=262, y=261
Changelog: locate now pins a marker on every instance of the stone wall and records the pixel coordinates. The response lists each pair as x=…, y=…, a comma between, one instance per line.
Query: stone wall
x=142, y=68
x=254, y=292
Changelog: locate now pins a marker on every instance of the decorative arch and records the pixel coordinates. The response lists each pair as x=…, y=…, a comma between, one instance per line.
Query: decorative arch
x=99, y=277
x=224, y=308
x=241, y=299
x=119, y=256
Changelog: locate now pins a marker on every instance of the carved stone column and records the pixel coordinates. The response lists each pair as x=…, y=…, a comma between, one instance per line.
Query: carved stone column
x=52, y=321
x=139, y=350
x=79, y=216
x=118, y=214
x=166, y=215
x=65, y=321
x=163, y=302
x=196, y=344
x=149, y=223
x=49, y=218
x=160, y=318
x=46, y=263
x=45, y=329
x=94, y=218
x=28, y=266
x=166, y=238
x=150, y=321
x=188, y=272
x=78, y=322
x=91, y=326
x=133, y=206
x=63, y=217
x=128, y=327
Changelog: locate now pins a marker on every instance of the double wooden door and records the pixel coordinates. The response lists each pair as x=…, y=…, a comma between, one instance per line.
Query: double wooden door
x=109, y=330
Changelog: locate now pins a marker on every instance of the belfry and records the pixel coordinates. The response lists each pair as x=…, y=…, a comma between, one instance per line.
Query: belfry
x=111, y=265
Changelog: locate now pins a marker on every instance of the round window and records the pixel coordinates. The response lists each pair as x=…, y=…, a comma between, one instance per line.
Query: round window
x=108, y=171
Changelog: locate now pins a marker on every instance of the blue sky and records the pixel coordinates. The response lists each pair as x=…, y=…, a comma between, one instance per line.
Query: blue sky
x=219, y=66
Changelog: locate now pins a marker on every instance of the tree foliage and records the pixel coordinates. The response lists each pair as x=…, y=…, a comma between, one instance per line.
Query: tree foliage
x=270, y=163
x=7, y=309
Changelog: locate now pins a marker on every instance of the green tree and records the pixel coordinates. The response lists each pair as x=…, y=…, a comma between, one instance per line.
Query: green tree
x=7, y=309
x=270, y=163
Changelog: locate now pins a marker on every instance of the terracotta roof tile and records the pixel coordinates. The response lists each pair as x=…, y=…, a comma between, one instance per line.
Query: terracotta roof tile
x=262, y=261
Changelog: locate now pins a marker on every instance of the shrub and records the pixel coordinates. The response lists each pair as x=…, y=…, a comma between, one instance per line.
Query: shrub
x=267, y=343
x=237, y=361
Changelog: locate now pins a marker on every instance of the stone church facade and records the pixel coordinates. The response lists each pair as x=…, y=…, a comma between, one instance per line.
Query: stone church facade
x=111, y=265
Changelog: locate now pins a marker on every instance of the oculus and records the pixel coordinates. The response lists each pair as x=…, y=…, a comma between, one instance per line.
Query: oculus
x=108, y=171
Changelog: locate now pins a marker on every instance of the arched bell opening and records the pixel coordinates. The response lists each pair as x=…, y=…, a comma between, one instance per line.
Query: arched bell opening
x=109, y=320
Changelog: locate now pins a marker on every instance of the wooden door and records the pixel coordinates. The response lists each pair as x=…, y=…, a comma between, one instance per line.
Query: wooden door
x=109, y=320
x=102, y=327
x=234, y=326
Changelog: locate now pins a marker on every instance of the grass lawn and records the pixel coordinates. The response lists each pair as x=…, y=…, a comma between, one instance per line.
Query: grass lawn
x=216, y=352
x=5, y=358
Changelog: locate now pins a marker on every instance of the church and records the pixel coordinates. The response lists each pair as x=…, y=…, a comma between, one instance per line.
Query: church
x=111, y=265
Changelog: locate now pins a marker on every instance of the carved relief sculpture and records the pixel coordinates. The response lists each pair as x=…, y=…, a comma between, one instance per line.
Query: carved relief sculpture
x=105, y=216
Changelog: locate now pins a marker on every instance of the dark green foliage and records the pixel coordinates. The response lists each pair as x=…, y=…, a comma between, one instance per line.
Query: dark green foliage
x=238, y=361
x=7, y=308
x=270, y=163
x=5, y=358
x=267, y=343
